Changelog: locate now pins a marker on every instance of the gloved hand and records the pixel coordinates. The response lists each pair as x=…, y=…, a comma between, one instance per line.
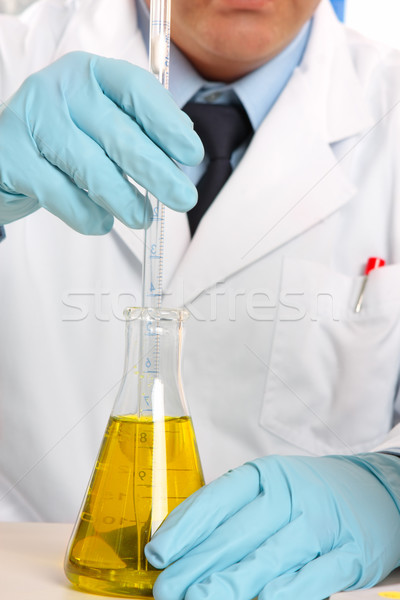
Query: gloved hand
x=284, y=528
x=71, y=132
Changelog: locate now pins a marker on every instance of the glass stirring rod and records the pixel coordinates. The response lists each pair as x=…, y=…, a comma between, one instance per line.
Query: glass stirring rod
x=159, y=44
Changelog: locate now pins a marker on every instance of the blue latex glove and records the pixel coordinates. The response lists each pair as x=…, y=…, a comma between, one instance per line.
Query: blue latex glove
x=284, y=528
x=71, y=132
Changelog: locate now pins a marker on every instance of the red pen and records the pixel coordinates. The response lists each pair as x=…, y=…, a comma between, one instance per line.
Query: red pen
x=372, y=263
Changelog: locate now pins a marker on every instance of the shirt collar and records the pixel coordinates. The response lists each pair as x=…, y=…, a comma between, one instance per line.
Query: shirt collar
x=258, y=91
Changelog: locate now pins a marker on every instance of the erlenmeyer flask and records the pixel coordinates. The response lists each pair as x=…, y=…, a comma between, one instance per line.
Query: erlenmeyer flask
x=148, y=462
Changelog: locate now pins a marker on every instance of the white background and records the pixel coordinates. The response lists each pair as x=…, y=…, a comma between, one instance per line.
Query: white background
x=13, y=6
x=379, y=19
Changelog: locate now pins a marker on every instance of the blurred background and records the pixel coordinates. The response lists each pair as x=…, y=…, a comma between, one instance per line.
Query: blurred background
x=13, y=6
x=377, y=19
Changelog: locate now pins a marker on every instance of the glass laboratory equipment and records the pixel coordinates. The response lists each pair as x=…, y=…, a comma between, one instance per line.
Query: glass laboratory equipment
x=148, y=462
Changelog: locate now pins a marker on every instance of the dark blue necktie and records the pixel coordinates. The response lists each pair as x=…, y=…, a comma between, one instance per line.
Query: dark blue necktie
x=222, y=129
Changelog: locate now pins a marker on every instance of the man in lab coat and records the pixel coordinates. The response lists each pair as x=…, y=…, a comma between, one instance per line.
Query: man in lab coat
x=277, y=361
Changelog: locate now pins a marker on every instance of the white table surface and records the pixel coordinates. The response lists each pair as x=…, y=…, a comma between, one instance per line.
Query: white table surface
x=31, y=562
x=31, y=566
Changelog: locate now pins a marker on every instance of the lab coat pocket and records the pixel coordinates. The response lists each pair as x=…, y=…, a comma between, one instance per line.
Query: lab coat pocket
x=333, y=373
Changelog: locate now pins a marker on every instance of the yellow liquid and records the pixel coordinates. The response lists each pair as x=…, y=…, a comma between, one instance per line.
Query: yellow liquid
x=144, y=470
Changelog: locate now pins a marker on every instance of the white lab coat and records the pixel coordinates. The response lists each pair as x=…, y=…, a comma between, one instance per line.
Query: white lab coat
x=275, y=360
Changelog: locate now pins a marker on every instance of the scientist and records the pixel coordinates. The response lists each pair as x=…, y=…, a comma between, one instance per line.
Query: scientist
x=292, y=392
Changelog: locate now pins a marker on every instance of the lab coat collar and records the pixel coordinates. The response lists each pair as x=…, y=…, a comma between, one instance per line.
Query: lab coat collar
x=336, y=98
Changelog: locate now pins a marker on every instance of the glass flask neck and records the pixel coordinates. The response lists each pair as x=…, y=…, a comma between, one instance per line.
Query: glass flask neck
x=151, y=385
